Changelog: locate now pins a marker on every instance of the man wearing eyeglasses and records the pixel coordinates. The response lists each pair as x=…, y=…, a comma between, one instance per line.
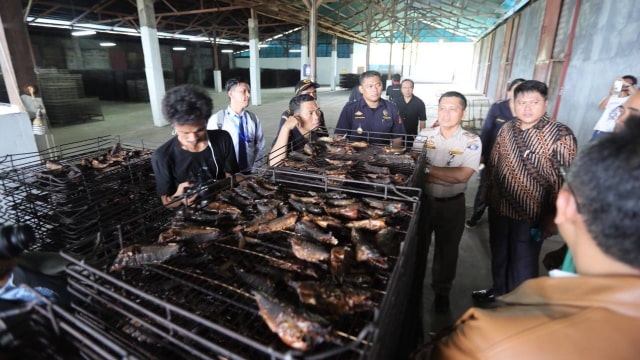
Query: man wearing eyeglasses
x=619, y=93
x=594, y=315
x=521, y=185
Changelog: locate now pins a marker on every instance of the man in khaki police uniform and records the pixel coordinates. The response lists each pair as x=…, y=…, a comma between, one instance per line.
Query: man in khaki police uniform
x=453, y=155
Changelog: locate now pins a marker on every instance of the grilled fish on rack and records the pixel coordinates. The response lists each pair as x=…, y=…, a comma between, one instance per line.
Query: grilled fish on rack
x=390, y=207
x=305, y=227
x=308, y=251
x=223, y=207
x=301, y=331
x=368, y=224
x=198, y=234
x=306, y=207
x=137, y=255
x=386, y=240
x=336, y=299
x=394, y=159
x=282, y=223
x=341, y=259
x=323, y=221
x=347, y=212
x=366, y=252
x=260, y=190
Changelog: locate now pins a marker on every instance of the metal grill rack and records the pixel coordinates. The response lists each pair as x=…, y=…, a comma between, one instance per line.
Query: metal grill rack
x=201, y=303
x=352, y=158
x=42, y=330
x=67, y=201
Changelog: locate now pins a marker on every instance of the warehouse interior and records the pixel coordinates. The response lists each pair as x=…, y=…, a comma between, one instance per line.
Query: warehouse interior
x=577, y=47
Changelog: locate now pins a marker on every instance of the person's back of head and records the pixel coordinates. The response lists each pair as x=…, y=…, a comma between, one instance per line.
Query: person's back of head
x=186, y=105
x=605, y=181
x=396, y=78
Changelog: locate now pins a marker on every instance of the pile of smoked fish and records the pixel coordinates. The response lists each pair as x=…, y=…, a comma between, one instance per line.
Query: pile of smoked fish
x=287, y=267
x=338, y=158
x=69, y=198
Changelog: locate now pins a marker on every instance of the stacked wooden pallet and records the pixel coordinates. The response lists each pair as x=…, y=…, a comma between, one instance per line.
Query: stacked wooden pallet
x=63, y=97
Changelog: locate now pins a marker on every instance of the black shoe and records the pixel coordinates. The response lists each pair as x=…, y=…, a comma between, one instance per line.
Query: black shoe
x=484, y=296
x=471, y=223
x=441, y=303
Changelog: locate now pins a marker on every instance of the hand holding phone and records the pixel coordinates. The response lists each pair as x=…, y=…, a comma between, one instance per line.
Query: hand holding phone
x=617, y=85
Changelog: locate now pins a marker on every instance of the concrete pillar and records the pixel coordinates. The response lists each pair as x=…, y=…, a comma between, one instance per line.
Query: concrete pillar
x=304, y=50
x=217, y=74
x=217, y=80
x=254, y=59
x=152, y=62
x=334, y=62
x=313, y=37
x=16, y=50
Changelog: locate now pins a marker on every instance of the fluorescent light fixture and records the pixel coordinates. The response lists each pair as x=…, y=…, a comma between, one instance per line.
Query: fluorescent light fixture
x=83, y=32
x=263, y=45
x=179, y=48
x=226, y=50
x=294, y=50
x=107, y=44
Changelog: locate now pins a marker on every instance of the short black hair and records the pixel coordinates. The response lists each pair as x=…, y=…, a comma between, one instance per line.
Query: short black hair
x=463, y=100
x=396, y=77
x=298, y=100
x=633, y=79
x=369, y=74
x=186, y=105
x=233, y=82
x=531, y=86
x=409, y=80
x=605, y=179
x=514, y=82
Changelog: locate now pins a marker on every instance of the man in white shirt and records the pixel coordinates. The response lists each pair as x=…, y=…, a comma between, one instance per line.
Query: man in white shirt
x=611, y=105
x=243, y=126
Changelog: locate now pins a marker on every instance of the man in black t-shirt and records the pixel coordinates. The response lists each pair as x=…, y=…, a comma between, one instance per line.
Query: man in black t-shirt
x=412, y=111
x=194, y=155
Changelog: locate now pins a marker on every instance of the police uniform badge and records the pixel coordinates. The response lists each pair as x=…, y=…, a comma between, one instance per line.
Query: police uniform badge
x=430, y=143
x=385, y=115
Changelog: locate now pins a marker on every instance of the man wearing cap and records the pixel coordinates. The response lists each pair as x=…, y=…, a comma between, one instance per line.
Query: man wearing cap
x=304, y=86
x=394, y=91
x=371, y=118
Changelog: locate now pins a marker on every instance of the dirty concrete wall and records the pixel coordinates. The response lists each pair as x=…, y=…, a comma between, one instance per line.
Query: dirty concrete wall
x=524, y=59
x=606, y=45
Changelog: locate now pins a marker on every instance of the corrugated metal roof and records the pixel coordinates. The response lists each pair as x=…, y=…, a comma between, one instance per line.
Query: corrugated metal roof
x=359, y=21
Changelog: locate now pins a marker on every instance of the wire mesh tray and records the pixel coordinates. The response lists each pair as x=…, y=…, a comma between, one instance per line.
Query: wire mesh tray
x=352, y=158
x=70, y=191
x=203, y=303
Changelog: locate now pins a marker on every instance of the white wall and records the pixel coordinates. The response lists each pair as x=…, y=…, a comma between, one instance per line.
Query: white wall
x=325, y=66
x=423, y=62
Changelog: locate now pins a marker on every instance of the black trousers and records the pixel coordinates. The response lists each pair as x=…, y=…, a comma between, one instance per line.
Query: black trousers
x=444, y=220
x=514, y=254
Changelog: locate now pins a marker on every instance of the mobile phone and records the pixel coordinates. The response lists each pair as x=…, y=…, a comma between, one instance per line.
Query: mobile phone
x=617, y=86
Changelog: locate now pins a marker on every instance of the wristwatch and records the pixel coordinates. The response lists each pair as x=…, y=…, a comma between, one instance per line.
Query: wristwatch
x=427, y=169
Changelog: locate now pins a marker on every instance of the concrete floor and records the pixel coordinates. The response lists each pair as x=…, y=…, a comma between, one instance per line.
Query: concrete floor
x=134, y=124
